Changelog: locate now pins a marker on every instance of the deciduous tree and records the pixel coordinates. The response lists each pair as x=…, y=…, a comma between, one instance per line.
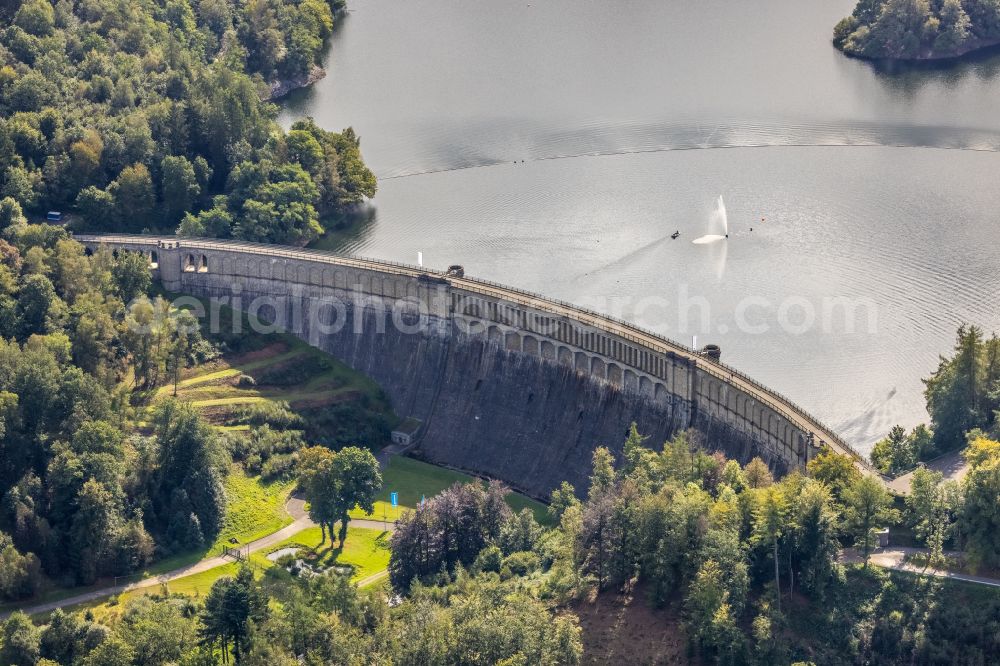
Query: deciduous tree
x=868, y=506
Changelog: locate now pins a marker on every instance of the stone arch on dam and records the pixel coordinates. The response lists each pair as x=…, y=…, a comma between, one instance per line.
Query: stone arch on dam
x=508, y=384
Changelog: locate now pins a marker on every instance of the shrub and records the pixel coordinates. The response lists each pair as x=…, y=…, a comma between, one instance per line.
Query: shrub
x=279, y=467
x=256, y=447
x=489, y=559
x=20, y=574
x=275, y=414
x=337, y=426
x=294, y=372
x=519, y=564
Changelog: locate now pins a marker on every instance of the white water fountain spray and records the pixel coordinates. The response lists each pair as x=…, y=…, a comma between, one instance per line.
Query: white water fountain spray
x=718, y=220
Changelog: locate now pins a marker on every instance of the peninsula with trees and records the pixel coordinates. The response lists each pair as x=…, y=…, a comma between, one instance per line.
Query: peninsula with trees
x=918, y=29
x=139, y=117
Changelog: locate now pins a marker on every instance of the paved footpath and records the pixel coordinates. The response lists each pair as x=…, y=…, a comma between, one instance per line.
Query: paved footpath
x=895, y=558
x=301, y=521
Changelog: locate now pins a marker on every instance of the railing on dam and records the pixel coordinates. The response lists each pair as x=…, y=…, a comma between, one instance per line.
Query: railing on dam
x=607, y=323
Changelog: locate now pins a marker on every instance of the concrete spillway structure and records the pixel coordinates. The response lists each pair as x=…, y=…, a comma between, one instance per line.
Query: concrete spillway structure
x=507, y=384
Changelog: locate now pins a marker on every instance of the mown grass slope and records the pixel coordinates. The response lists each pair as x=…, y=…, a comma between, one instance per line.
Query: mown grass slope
x=414, y=479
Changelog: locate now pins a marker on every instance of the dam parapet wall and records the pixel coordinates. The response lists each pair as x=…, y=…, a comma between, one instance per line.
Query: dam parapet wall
x=508, y=384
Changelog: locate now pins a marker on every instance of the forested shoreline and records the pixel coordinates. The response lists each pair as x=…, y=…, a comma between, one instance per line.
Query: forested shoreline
x=145, y=116
x=918, y=29
x=963, y=401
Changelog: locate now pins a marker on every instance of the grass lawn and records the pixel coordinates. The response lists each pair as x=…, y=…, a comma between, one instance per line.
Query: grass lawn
x=285, y=369
x=365, y=550
x=253, y=509
x=414, y=479
x=195, y=585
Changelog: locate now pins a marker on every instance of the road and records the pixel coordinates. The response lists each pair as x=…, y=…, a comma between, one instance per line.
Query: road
x=895, y=558
x=301, y=521
x=952, y=465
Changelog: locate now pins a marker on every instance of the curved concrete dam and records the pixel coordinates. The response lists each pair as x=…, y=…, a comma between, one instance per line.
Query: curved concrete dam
x=505, y=383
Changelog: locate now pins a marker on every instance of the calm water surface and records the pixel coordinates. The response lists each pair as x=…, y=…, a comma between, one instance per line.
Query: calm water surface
x=556, y=144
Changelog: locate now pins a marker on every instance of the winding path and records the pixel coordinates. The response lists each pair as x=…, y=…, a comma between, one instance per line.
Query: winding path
x=301, y=521
x=896, y=559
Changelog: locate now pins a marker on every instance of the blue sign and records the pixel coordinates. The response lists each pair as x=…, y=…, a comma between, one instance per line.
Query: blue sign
x=422, y=500
x=394, y=498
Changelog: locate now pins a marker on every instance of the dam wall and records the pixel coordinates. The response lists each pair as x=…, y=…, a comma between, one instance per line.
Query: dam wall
x=507, y=384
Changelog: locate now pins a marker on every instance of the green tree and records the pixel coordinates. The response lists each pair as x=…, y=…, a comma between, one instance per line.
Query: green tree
x=816, y=544
x=930, y=508
x=955, y=27
x=757, y=474
x=603, y=475
x=868, y=506
x=85, y=158
x=134, y=198
x=357, y=181
x=189, y=460
x=837, y=471
x=38, y=307
x=62, y=640
x=96, y=207
x=20, y=575
x=131, y=274
x=147, y=338
x=157, y=632
x=30, y=93
x=955, y=392
x=97, y=523
x=19, y=644
x=710, y=615
x=10, y=213
x=35, y=17
x=562, y=498
x=358, y=480
x=214, y=222
x=895, y=454
x=306, y=150
x=335, y=483
x=278, y=203
x=981, y=511
x=113, y=651
x=179, y=186
x=770, y=523
x=232, y=606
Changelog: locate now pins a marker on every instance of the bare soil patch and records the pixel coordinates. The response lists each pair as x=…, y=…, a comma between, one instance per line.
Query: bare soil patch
x=625, y=629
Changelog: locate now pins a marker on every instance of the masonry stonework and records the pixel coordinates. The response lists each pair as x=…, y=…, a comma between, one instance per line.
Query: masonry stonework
x=507, y=384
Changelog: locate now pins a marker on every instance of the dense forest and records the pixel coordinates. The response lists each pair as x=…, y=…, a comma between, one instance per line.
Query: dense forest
x=101, y=473
x=84, y=494
x=150, y=116
x=744, y=566
x=918, y=29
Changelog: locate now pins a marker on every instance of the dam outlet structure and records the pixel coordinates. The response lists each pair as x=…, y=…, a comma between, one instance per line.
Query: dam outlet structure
x=505, y=383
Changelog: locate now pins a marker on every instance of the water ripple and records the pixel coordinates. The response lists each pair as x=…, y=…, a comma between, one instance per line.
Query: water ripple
x=515, y=143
